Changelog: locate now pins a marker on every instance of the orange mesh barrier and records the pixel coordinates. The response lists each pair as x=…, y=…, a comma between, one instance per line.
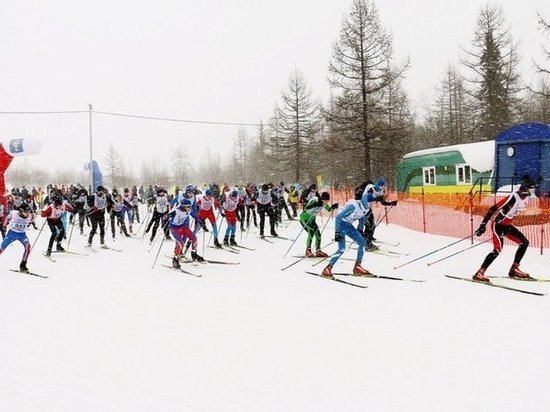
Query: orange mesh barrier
x=457, y=215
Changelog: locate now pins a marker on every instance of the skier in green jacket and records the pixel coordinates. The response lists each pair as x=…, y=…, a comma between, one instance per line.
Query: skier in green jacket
x=307, y=218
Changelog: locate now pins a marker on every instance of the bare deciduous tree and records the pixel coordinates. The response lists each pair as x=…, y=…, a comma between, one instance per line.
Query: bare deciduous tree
x=114, y=167
x=299, y=118
x=359, y=72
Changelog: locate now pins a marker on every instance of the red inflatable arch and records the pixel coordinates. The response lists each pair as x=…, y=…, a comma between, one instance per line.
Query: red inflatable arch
x=10, y=149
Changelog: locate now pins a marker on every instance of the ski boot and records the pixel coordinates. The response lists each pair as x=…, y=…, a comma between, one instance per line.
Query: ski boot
x=262, y=236
x=360, y=271
x=273, y=233
x=23, y=267
x=327, y=272
x=320, y=253
x=309, y=252
x=232, y=241
x=217, y=244
x=196, y=257
x=371, y=247
x=516, y=273
x=60, y=248
x=480, y=276
x=226, y=241
x=176, y=263
x=48, y=253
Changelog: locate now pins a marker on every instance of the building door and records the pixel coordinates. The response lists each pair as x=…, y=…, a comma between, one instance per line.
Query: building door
x=505, y=164
x=527, y=161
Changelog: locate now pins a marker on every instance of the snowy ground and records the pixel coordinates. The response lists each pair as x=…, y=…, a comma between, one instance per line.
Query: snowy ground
x=108, y=333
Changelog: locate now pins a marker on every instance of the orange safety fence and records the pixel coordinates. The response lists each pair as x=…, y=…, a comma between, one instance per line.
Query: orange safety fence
x=457, y=215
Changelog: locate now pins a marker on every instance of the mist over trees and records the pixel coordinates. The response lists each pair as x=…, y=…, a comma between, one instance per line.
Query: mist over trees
x=368, y=124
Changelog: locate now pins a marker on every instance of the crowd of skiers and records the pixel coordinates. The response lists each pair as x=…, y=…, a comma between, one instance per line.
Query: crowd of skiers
x=180, y=215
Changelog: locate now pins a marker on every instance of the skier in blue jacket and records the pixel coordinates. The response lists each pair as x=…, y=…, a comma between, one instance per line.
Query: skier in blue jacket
x=353, y=210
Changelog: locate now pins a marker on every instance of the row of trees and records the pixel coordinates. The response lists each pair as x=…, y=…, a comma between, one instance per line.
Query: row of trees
x=368, y=124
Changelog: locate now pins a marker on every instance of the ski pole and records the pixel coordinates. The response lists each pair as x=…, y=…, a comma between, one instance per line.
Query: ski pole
x=70, y=235
x=385, y=214
x=35, y=240
x=305, y=257
x=294, y=241
x=146, y=224
x=431, y=253
x=163, y=234
x=247, y=228
x=143, y=221
x=218, y=229
x=158, y=252
x=221, y=225
x=326, y=223
x=301, y=230
x=456, y=253
x=322, y=260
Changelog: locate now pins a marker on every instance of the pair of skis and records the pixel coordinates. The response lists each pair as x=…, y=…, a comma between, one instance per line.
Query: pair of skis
x=498, y=285
x=372, y=276
x=114, y=249
x=197, y=275
x=63, y=252
x=28, y=272
x=183, y=259
x=232, y=248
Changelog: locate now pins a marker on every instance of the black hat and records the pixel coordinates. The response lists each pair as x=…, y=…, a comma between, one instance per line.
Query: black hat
x=25, y=207
x=100, y=189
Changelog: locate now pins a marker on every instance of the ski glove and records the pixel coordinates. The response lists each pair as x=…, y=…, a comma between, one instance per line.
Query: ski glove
x=338, y=237
x=481, y=229
x=334, y=206
x=394, y=203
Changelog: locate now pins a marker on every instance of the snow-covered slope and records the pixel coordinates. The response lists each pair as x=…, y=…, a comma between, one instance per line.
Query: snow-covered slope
x=107, y=332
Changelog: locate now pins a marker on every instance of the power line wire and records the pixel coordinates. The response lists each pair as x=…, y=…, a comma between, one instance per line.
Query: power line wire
x=167, y=119
x=49, y=112
x=135, y=116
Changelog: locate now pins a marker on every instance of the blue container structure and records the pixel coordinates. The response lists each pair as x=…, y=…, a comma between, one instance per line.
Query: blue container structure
x=523, y=150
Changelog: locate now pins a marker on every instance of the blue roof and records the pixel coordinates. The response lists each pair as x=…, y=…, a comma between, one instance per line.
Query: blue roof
x=524, y=132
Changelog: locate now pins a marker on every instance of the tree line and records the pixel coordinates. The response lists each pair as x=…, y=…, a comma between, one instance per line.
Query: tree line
x=368, y=123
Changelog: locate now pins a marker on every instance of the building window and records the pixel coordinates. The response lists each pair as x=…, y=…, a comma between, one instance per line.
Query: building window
x=429, y=176
x=463, y=175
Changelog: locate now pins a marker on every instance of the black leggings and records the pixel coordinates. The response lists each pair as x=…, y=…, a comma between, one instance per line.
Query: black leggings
x=58, y=231
x=262, y=210
x=512, y=233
